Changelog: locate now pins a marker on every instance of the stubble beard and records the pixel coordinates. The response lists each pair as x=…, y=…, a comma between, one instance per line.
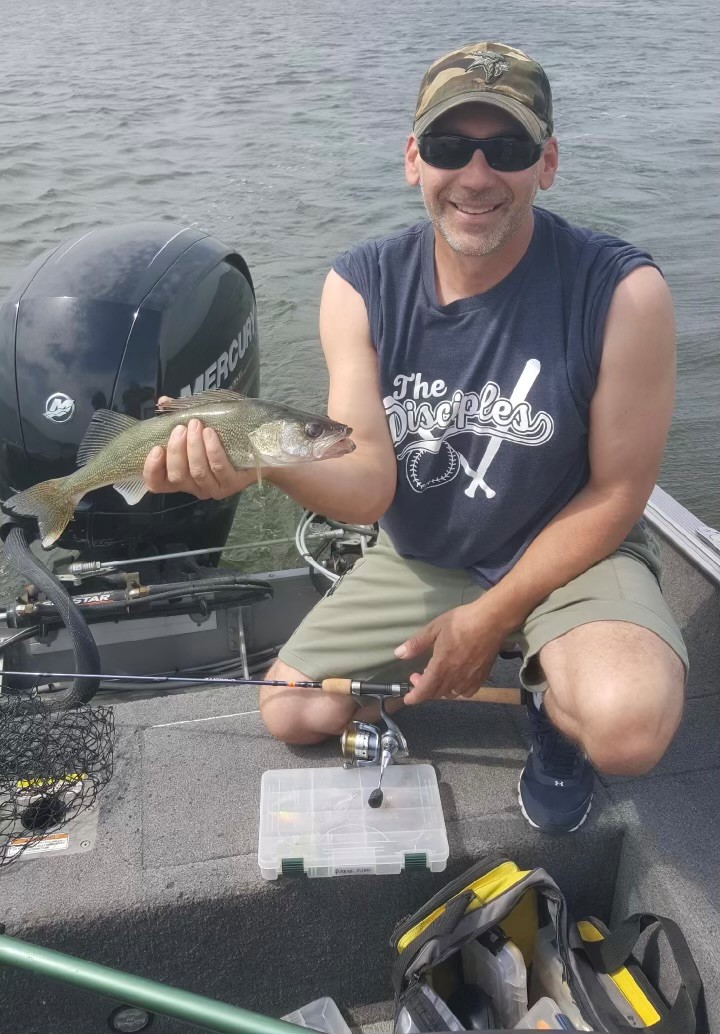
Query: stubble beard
x=480, y=242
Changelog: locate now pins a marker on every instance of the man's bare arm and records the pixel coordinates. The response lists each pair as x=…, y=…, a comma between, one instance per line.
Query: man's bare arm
x=630, y=416
x=358, y=487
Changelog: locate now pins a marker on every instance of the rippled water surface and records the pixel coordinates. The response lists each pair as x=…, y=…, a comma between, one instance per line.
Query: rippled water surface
x=279, y=128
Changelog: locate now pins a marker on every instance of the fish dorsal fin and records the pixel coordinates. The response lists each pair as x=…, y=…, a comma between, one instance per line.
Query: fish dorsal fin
x=131, y=490
x=201, y=399
x=104, y=428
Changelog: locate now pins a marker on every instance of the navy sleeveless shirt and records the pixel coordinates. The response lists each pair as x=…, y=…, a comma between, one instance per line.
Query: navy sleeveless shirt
x=487, y=398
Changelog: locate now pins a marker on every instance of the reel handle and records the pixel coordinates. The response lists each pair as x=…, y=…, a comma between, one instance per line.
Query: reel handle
x=354, y=687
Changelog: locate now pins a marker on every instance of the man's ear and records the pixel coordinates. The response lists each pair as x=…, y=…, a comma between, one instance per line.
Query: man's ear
x=549, y=164
x=412, y=161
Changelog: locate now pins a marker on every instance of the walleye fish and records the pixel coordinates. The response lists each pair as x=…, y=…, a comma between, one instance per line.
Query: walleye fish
x=113, y=452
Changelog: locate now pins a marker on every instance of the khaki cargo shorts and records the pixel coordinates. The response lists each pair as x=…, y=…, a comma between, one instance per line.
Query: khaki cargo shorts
x=354, y=629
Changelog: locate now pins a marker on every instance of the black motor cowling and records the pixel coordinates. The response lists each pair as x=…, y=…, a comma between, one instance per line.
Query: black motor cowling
x=111, y=320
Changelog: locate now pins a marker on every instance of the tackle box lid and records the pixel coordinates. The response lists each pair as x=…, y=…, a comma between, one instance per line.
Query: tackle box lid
x=321, y=1015
x=317, y=822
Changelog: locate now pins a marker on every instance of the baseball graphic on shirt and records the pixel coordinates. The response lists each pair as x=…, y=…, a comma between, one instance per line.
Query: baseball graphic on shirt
x=435, y=419
x=422, y=467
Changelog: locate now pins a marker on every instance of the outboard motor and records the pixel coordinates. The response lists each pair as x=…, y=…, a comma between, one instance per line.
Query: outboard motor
x=112, y=320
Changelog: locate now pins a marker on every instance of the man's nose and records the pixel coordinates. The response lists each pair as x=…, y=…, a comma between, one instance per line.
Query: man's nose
x=478, y=171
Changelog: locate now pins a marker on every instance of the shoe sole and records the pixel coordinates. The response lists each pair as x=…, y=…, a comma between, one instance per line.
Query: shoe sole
x=535, y=825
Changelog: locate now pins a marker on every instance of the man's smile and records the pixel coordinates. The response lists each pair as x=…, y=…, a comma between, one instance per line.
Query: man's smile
x=476, y=212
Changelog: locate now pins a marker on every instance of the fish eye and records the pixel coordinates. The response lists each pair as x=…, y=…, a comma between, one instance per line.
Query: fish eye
x=313, y=428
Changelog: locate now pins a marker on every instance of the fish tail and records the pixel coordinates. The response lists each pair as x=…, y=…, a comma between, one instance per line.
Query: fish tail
x=51, y=502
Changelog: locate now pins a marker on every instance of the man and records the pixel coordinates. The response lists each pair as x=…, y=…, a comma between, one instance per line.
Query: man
x=509, y=379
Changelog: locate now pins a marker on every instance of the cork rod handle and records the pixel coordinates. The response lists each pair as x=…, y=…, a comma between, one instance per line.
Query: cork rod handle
x=342, y=686
x=485, y=695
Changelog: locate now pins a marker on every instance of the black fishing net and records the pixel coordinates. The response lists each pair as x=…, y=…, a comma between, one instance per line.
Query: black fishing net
x=53, y=765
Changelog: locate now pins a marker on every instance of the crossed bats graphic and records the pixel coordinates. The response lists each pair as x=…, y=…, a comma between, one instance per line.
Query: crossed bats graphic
x=430, y=444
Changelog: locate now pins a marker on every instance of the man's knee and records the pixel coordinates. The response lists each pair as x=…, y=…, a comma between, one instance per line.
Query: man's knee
x=618, y=690
x=626, y=728
x=286, y=719
x=301, y=716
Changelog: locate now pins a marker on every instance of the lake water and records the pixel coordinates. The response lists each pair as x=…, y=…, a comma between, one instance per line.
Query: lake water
x=280, y=127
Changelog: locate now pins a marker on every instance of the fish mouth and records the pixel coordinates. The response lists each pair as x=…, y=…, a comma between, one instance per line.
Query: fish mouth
x=340, y=444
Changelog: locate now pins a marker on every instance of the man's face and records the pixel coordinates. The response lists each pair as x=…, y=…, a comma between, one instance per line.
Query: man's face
x=476, y=209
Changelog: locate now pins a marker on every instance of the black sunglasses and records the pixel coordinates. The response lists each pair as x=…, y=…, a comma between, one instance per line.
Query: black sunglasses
x=502, y=153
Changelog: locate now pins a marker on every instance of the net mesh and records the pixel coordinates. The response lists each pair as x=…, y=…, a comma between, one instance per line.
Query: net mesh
x=53, y=765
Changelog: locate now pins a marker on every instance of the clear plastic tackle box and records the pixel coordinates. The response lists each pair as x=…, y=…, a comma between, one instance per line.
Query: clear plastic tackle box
x=321, y=1015
x=317, y=821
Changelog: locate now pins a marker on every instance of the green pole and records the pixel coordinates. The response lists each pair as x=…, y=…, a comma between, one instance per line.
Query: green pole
x=145, y=994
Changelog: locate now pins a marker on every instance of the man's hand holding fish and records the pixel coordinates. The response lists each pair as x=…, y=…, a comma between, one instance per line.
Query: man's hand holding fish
x=252, y=434
x=194, y=461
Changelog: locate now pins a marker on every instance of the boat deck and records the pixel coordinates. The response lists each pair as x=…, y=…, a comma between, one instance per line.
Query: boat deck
x=172, y=888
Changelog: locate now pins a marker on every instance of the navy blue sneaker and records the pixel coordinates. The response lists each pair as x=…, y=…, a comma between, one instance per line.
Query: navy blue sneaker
x=556, y=786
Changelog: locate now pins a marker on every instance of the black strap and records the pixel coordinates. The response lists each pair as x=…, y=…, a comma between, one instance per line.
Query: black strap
x=617, y=947
x=425, y=1012
x=442, y=926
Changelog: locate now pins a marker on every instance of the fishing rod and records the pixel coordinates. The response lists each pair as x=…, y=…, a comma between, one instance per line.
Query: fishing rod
x=351, y=687
x=96, y=566
x=341, y=686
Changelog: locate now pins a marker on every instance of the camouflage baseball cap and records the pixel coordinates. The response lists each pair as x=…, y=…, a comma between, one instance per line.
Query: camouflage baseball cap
x=488, y=73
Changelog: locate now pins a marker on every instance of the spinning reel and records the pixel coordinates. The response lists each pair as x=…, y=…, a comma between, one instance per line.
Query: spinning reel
x=363, y=744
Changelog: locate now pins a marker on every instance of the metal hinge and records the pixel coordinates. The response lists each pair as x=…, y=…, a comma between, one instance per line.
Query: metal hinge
x=710, y=537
